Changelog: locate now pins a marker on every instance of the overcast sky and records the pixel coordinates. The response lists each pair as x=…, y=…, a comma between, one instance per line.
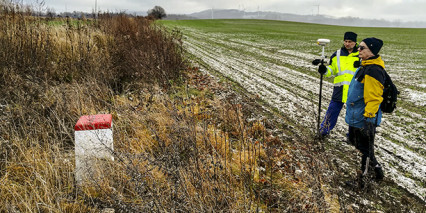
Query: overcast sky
x=402, y=10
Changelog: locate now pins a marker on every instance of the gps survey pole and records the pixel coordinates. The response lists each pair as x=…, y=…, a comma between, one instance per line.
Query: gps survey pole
x=323, y=43
x=319, y=104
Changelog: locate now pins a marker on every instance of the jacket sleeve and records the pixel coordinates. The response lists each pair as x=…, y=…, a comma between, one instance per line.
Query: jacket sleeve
x=332, y=68
x=373, y=91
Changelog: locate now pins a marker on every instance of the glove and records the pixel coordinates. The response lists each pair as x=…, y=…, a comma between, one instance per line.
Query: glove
x=357, y=64
x=369, y=127
x=316, y=62
x=322, y=69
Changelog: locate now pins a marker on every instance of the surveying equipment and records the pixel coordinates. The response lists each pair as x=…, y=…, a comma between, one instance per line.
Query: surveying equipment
x=322, y=42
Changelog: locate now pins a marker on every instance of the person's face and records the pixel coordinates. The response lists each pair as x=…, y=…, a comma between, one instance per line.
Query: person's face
x=364, y=52
x=349, y=44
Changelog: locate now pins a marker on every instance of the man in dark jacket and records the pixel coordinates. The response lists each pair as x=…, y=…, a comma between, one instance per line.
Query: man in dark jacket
x=363, y=112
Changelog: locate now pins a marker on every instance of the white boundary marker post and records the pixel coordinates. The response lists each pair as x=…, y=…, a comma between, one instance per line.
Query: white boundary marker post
x=93, y=141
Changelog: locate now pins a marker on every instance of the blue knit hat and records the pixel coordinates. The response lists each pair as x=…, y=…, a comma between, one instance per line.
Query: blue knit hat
x=374, y=44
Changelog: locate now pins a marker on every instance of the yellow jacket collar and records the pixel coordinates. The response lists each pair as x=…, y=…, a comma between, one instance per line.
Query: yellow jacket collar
x=377, y=61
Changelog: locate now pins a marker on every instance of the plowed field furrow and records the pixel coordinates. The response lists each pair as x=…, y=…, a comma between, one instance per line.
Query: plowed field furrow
x=280, y=97
x=282, y=73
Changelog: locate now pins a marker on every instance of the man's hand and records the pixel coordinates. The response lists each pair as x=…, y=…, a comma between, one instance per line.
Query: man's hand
x=322, y=69
x=316, y=62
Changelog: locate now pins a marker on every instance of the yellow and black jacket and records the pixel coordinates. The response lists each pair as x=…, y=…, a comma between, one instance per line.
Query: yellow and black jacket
x=342, y=69
x=365, y=93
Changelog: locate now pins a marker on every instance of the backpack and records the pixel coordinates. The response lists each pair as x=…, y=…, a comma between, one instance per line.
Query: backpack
x=390, y=95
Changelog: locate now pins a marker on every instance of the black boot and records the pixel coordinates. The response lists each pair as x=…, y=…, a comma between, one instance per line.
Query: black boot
x=379, y=172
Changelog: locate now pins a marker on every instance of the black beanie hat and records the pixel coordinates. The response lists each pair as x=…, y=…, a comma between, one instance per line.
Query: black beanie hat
x=350, y=36
x=374, y=44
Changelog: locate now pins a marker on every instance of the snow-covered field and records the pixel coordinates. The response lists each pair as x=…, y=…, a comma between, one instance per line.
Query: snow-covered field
x=282, y=75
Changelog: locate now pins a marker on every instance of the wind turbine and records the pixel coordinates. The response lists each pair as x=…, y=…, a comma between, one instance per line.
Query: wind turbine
x=212, y=13
x=318, y=5
x=258, y=11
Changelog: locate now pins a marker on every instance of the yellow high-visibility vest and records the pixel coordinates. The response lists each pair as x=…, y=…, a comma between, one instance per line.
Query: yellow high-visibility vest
x=342, y=69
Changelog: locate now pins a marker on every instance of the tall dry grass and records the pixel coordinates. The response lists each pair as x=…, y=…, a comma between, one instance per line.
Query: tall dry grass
x=178, y=148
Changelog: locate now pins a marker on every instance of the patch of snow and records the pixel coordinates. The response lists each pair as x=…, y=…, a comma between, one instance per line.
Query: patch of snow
x=417, y=97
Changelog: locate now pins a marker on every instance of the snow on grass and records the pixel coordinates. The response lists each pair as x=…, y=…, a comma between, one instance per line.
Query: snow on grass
x=417, y=97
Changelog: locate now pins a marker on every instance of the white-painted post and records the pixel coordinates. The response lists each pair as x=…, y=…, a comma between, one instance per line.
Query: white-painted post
x=93, y=141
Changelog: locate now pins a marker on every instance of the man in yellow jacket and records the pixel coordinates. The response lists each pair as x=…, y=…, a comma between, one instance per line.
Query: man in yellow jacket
x=363, y=112
x=342, y=69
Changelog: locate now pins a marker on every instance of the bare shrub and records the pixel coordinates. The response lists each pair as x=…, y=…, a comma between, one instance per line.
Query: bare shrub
x=142, y=50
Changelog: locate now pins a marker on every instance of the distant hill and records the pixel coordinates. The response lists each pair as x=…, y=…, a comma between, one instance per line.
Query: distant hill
x=319, y=19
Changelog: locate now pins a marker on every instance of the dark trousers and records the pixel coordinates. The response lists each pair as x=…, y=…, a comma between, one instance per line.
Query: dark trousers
x=331, y=116
x=365, y=144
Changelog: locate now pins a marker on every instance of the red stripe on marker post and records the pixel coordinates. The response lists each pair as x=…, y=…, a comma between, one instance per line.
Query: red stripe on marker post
x=92, y=122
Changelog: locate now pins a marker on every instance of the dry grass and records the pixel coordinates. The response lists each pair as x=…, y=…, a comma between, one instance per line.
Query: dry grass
x=177, y=146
